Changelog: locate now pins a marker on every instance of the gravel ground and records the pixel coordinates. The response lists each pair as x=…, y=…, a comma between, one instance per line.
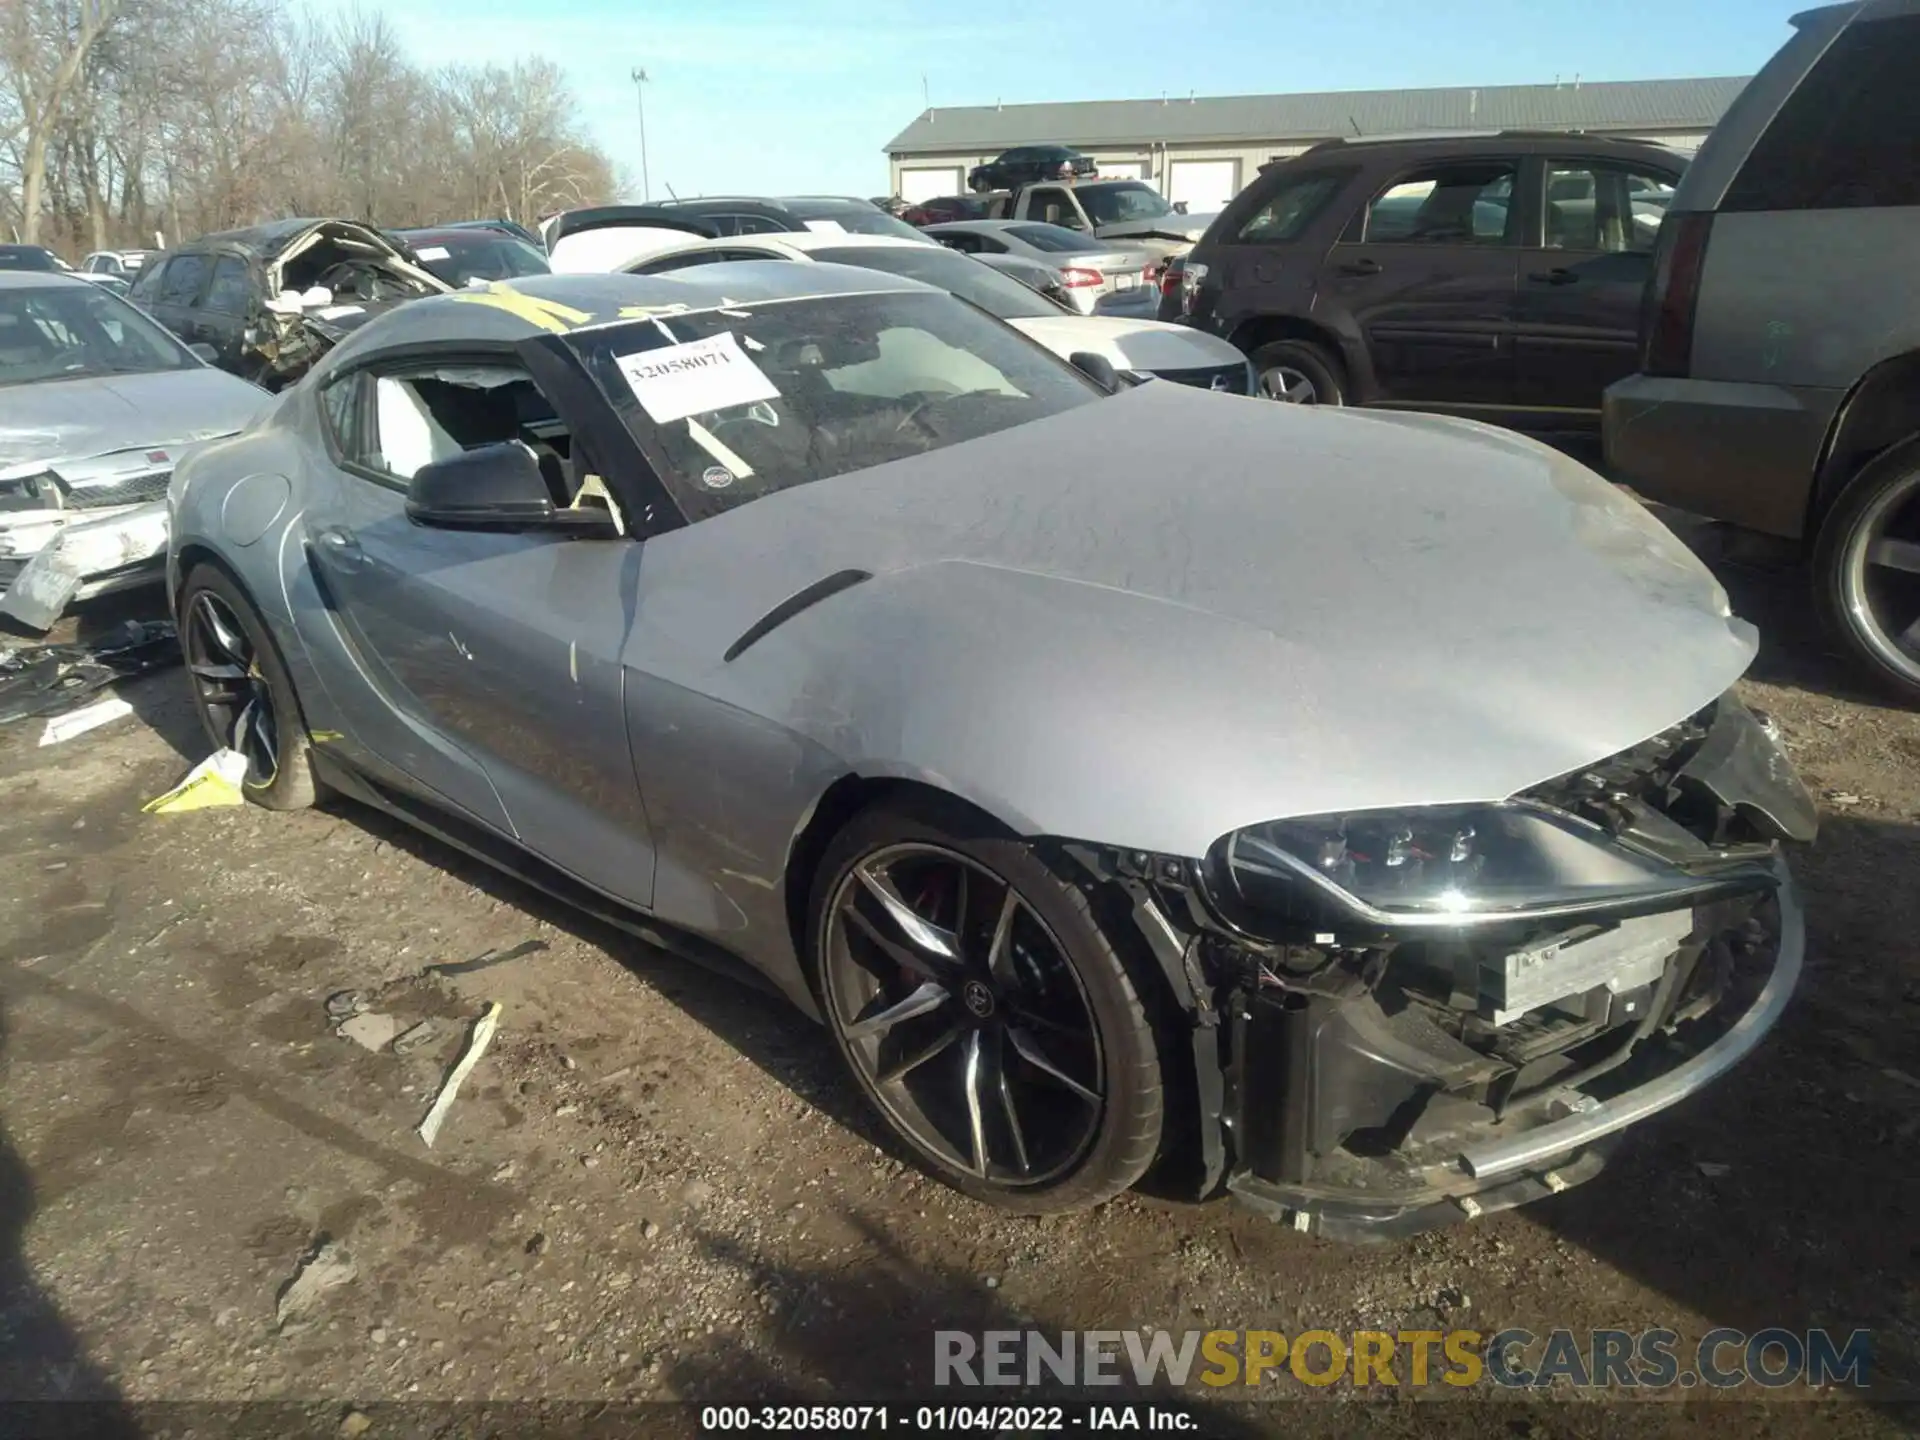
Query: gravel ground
x=657, y=1185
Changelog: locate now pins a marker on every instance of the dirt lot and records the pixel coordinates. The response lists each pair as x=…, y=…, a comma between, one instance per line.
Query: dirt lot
x=657, y=1184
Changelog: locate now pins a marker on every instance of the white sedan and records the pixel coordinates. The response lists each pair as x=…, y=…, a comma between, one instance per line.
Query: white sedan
x=1171, y=352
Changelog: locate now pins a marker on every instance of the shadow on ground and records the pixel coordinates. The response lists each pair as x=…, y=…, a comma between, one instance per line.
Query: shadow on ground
x=44, y=1368
x=1785, y=1194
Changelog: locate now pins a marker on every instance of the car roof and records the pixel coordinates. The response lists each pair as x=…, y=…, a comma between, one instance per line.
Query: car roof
x=507, y=313
x=1479, y=142
x=458, y=234
x=990, y=225
x=805, y=241
x=32, y=279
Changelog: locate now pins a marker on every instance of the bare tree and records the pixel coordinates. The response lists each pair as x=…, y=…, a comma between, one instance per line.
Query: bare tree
x=46, y=47
x=122, y=119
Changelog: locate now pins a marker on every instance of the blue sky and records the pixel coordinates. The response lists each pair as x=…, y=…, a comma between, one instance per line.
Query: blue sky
x=779, y=98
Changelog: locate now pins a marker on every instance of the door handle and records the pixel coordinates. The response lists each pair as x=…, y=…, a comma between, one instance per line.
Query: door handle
x=1359, y=267
x=1557, y=276
x=342, y=546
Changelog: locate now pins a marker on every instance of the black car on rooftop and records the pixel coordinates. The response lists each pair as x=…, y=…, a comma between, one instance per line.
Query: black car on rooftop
x=1029, y=164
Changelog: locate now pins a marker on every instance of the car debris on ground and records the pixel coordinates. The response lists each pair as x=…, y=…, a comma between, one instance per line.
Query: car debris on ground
x=482, y=1036
x=90, y=717
x=38, y=680
x=327, y=1268
x=215, y=781
x=370, y=1030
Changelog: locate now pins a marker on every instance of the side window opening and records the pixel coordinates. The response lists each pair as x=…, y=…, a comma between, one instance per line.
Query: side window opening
x=418, y=416
x=1287, y=212
x=1469, y=203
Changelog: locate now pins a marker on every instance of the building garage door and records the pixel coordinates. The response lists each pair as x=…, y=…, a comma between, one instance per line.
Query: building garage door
x=1206, y=185
x=1123, y=169
x=926, y=184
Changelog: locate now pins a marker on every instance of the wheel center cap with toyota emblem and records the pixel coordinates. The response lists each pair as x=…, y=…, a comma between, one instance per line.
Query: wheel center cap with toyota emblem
x=977, y=998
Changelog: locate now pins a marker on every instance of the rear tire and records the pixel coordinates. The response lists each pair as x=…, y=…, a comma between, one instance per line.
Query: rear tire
x=1866, y=570
x=1027, y=1076
x=1299, y=372
x=241, y=690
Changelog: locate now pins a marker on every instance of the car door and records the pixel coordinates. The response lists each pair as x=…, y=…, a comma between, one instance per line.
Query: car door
x=221, y=319
x=178, y=292
x=1584, y=267
x=1424, y=276
x=486, y=665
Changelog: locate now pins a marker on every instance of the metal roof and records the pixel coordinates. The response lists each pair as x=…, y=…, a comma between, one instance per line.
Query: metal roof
x=1628, y=105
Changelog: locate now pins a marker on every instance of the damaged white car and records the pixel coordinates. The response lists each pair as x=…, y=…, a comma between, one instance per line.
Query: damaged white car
x=97, y=406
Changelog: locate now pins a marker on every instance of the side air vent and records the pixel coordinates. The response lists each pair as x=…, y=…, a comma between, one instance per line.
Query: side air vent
x=793, y=605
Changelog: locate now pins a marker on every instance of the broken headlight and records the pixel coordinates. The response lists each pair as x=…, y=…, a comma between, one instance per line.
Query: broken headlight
x=1444, y=865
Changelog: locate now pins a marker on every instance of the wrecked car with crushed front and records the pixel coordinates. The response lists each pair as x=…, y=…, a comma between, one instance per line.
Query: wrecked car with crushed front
x=1351, y=811
x=271, y=300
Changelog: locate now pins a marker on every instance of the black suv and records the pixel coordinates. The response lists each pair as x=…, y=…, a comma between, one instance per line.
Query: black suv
x=1028, y=165
x=1497, y=276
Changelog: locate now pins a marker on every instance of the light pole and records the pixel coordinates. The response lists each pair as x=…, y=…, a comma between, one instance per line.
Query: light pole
x=639, y=91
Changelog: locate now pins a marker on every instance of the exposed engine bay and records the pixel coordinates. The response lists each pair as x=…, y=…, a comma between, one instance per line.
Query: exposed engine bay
x=1380, y=1072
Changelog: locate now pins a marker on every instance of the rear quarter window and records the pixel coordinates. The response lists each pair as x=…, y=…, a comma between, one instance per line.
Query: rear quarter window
x=1848, y=137
x=1285, y=212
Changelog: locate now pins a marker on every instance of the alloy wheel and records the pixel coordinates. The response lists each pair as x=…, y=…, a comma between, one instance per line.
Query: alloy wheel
x=1288, y=385
x=1880, y=577
x=963, y=1014
x=232, y=691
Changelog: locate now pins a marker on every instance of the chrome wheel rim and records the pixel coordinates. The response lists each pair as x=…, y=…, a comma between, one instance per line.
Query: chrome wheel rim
x=1288, y=385
x=233, y=694
x=963, y=1015
x=1880, y=578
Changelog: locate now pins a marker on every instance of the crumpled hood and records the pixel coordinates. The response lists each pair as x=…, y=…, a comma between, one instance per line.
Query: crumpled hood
x=1163, y=616
x=55, y=421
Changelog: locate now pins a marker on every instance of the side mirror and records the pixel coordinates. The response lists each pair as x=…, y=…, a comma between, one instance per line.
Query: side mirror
x=1179, y=207
x=200, y=350
x=494, y=487
x=1096, y=368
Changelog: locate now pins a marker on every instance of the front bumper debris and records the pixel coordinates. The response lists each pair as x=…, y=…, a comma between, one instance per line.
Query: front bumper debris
x=106, y=551
x=1363, y=1080
x=1476, y=1163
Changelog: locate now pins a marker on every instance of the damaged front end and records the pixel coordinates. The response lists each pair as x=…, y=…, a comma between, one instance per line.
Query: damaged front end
x=86, y=529
x=322, y=283
x=1405, y=1018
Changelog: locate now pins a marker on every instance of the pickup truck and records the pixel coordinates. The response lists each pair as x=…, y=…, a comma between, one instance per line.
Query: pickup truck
x=1110, y=209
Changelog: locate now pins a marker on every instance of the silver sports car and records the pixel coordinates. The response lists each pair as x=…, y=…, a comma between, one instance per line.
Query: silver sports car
x=1349, y=810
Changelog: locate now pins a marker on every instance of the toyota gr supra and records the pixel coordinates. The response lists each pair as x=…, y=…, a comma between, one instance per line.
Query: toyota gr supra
x=1348, y=811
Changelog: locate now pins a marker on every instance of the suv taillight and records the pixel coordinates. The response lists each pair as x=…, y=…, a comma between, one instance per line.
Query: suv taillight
x=1170, y=275
x=1666, y=328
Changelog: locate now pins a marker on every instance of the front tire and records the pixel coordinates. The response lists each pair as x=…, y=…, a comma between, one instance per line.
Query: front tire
x=1866, y=570
x=241, y=689
x=1298, y=372
x=988, y=1019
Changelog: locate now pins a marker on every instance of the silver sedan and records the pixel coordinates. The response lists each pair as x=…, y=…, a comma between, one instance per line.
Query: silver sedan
x=1090, y=269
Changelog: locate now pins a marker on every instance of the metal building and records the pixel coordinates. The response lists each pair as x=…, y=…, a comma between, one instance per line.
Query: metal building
x=1202, y=150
